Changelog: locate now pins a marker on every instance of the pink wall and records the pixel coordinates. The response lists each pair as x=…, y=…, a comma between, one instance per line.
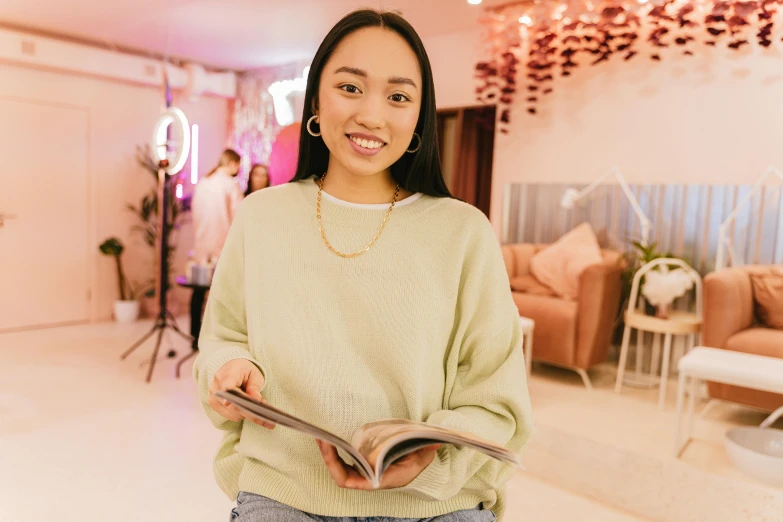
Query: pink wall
x=711, y=118
x=121, y=116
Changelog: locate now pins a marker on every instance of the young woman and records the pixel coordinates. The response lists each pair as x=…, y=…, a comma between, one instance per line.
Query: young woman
x=215, y=202
x=258, y=179
x=362, y=291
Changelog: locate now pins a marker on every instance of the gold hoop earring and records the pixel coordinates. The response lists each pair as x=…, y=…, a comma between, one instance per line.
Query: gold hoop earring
x=417, y=146
x=309, y=130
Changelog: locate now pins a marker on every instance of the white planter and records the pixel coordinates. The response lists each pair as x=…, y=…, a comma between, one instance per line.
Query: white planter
x=126, y=311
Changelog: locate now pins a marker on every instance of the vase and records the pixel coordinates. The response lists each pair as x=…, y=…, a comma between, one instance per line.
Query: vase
x=662, y=311
x=126, y=311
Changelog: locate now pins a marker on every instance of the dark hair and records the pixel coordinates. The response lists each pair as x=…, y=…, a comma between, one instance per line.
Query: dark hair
x=249, y=188
x=228, y=156
x=417, y=172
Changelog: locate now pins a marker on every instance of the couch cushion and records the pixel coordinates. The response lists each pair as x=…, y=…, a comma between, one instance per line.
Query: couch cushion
x=760, y=341
x=560, y=265
x=555, y=330
x=768, y=295
x=527, y=284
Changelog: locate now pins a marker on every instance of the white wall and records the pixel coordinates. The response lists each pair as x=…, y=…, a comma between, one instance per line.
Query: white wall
x=715, y=117
x=121, y=117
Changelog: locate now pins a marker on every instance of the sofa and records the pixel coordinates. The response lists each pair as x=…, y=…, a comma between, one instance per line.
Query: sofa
x=574, y=334
x=730, y=323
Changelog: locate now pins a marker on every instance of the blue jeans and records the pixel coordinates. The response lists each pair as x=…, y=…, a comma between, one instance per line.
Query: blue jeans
x=255, y=508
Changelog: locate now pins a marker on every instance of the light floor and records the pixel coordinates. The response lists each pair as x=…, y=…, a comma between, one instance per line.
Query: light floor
x=83, y=437
x=632, y=420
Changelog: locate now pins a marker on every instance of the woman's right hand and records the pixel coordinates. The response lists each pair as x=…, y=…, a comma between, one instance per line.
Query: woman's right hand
x=237, y=373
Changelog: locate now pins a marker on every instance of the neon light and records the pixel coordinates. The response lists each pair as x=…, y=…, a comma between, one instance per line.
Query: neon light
x=194, y=155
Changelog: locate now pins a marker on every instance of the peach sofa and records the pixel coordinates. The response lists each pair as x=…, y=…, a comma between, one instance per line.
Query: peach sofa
x=573, y=334
x=730, y=323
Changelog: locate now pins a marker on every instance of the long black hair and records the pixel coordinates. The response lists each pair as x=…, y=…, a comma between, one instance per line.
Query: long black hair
x=417, y=172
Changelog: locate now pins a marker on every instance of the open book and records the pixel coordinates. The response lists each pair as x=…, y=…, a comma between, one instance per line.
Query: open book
x=377, y=445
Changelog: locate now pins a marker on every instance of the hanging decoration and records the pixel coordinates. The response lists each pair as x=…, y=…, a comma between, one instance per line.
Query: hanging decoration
x=253, y=127
x=538, y=39
x=255, y=123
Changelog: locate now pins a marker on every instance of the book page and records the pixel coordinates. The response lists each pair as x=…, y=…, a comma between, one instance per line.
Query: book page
x=384, y=442
x=265, y=412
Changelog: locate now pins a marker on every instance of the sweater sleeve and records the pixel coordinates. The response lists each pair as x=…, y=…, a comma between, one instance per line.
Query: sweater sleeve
x=486, y=380
x=223, y=334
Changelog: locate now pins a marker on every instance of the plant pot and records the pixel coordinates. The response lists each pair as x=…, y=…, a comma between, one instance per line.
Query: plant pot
x=126, y=311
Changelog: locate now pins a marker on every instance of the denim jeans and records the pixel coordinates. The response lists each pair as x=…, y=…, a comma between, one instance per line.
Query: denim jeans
x=255, y=508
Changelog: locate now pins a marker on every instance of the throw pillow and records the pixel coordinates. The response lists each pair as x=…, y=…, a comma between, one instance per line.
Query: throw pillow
x=560, y=265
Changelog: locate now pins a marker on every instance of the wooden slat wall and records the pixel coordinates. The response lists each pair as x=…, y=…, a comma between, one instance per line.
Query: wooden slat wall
x=685, y=218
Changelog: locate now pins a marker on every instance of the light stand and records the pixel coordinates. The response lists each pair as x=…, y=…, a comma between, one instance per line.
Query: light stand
x=164, y=319
x=571, y=197
x=725, y=243
x=161, y=150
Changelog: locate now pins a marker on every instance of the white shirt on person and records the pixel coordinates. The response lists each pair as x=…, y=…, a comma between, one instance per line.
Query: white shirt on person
x=215, y=202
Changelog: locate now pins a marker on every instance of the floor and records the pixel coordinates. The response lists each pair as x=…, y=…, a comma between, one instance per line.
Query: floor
x=632, y=420
x=82, y=436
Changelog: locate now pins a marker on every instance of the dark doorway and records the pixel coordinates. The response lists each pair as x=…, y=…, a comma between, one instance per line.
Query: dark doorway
x=466, y=144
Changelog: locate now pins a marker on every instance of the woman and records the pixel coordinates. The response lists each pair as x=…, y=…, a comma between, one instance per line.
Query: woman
x=214, y=205
x=361, y=291
x=258, y=179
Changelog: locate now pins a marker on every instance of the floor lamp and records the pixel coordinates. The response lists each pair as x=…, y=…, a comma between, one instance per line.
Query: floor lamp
x=725, y=243
x=571, y=197
x=170, y=157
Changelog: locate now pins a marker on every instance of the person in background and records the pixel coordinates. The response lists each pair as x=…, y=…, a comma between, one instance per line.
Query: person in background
x=258, y=178
x=215, y=201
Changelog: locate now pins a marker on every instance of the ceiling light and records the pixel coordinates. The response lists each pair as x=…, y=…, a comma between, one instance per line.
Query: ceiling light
x=474, y=2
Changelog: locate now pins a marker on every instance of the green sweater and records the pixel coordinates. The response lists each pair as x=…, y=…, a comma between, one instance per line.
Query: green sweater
x=422, y=327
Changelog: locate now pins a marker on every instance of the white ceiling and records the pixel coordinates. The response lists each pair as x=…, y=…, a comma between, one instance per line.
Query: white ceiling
x=232, y=34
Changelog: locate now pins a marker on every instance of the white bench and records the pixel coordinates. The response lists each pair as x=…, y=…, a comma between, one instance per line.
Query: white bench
x=727, y=367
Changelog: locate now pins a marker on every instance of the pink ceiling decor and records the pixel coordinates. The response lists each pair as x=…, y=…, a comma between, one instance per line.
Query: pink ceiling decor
x=530, y=42
x=285, y=151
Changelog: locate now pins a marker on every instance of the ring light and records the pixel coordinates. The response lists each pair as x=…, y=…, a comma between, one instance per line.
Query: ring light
x=160, y=140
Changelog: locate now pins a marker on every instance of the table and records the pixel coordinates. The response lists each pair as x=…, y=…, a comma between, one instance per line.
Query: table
x=678, y=323
x=197, y=301
x=528, y=327
x=724, y=366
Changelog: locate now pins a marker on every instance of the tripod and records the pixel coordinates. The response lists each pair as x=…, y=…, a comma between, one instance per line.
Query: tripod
x=164, y=319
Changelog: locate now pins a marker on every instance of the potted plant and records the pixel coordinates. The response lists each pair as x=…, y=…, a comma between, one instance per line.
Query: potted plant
x=146, y=213
x=126, y=309
x=636, y=259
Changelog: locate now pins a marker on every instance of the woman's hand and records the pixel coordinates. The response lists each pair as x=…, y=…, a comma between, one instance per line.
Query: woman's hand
x=399, y=474
x=237, y=373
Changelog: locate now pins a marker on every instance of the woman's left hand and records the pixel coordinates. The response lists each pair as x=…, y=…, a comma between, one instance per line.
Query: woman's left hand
x=399, y=474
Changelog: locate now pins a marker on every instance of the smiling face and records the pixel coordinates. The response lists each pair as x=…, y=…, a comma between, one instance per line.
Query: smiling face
x=368, y=107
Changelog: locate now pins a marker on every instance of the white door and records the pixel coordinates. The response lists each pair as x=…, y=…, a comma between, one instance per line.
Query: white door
x=44, y=206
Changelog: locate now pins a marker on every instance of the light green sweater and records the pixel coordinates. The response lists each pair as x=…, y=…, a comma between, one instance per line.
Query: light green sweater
x=421, y=327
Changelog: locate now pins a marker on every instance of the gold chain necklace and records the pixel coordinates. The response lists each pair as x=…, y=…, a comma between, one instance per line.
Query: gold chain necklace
x=374, y=239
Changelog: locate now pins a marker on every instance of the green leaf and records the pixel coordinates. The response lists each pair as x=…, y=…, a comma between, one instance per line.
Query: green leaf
x=112, y=247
